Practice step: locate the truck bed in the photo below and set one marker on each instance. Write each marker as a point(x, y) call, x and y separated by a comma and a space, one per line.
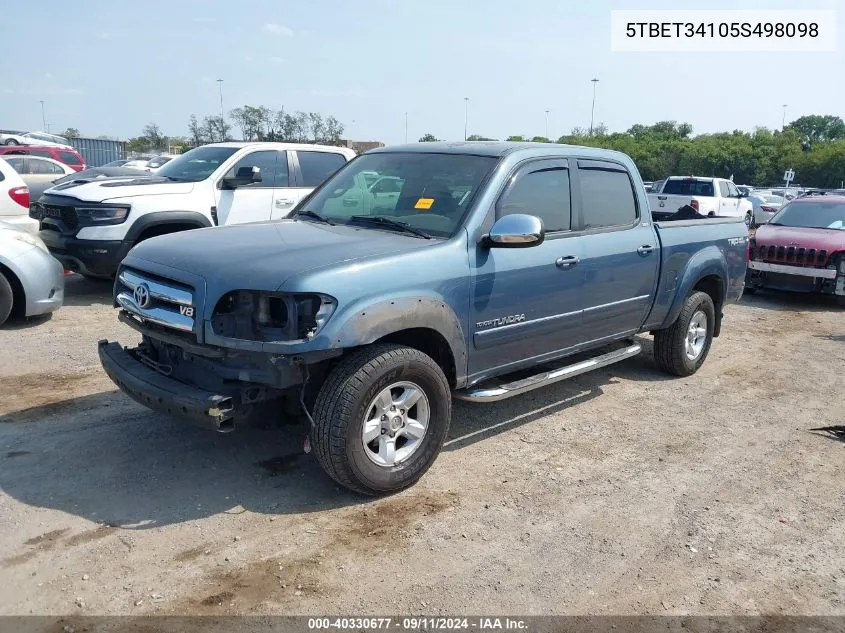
point(685, 245)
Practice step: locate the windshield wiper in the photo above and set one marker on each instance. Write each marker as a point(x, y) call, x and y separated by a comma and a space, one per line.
point(314, 215)
point(394, 224)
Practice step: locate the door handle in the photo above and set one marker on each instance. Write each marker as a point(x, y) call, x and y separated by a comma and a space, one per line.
point(645, 249)
point(283, 202)
point(567, 262)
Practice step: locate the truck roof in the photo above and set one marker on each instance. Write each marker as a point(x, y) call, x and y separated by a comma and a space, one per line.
point(277, 145)
point(491, 148)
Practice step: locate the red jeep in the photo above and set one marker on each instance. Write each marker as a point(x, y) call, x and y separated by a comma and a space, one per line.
point(802, 248)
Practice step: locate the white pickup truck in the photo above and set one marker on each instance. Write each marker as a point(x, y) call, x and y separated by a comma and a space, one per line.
point(90, 225)
point(708, 196)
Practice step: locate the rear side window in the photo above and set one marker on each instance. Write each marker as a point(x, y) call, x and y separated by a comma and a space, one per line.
point(723, 189)
point(39, 152)
point(542, 192)
point(16, 163)
point(69, 158)
point(316, 167)
point(608, 198)
point(689, 187)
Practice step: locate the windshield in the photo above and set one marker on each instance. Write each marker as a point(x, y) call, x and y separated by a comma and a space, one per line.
point(429, 192)
point(689, 187)
point(196, 165)
point(815, 215)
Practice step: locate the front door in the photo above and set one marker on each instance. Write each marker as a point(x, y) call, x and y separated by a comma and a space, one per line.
point(252, 202)
point(621, 254)
point(526, 302)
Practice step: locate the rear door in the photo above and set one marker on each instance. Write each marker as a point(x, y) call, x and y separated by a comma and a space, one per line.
point(621, 254)
point(252, 202)
point(526, 302)
point(311, 169)
point(727, 204)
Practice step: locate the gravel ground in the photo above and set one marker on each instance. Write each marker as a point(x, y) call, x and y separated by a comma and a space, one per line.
point(623, 491)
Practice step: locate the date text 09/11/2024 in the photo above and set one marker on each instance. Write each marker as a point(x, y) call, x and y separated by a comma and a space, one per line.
point(419, 623)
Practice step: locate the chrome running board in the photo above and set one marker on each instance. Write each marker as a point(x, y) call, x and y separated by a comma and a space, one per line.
point(492, 393)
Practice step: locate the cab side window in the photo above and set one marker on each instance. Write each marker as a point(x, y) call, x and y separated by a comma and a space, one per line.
point(542, 191)
point(607, 195)
point(273, 166)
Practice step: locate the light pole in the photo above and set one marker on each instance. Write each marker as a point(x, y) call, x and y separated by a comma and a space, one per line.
point(220, 89)
point(43, 117)
point(593, 110)
point(547, 125)
point(466, 116)
point(406, 127)
point(783, 119)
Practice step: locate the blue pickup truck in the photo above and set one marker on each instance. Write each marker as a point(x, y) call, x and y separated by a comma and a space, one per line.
point(413, 275)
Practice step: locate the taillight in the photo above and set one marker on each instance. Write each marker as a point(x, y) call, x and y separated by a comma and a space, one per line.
point(20, 195)
point(694, 204)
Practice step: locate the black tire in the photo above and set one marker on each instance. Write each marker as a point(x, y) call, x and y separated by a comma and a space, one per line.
point(749, 220)
point(7, 299)
point(11, 141)
point(669, 344)
point(341, 408)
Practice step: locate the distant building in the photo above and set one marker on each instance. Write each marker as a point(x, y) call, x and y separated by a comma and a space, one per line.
point(359, 147)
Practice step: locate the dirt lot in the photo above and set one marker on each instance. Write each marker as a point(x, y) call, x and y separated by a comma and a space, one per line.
point(623, 491)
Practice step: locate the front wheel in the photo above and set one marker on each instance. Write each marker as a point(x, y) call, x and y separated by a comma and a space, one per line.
point(381, 418)
point(681, 348)
point(11, 141)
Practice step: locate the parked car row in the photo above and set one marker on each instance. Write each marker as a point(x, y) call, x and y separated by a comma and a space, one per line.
point(66, 155)
point(33, 138)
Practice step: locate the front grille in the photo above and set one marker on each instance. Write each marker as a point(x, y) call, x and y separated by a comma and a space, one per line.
point(793, 255)
point(155, 299)
point(62, 218)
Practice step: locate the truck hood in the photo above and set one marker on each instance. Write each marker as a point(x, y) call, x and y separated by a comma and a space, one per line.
point(829, 240)
point(263, 255)
point(122, 187)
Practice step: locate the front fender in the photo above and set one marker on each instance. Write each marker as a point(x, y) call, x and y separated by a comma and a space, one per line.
point(363, 323)
point(709, 261)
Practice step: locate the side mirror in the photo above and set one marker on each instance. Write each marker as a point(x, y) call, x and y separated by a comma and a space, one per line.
point(515, 231)
point(244, 176)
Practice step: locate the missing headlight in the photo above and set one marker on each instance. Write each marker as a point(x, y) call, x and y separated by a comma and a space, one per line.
point(260, 316)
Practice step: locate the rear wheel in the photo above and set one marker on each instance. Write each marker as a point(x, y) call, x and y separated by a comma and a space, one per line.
point(6, 299)
point(681, 348)
point(381, 418)
point(11, 141)
point(749, 219)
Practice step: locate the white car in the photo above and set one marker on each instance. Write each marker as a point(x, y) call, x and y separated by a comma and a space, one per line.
point(91, 226)
point(137, 163)
point(34, 138)
point(14, 199)
point(765, 204)
point(713, 197)
point(36, 170)
point(157, 162)
point(31, 280)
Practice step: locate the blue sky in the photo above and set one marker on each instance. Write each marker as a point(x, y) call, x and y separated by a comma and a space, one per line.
point(109, 67)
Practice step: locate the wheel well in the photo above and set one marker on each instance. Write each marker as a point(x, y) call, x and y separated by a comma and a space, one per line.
point(18, 294)
point(713, 286)
point(164, 229)
point(429, 342)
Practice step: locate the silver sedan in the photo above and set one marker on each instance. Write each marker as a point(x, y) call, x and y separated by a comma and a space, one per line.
point(31, 280)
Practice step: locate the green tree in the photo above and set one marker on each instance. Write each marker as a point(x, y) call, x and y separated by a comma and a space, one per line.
point(71, 132)
point(815, 128)
point(428, 138)
point(540, 139)
point(517, 139)
point(478, 137)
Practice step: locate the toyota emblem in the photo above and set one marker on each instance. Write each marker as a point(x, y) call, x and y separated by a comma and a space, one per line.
point(142, 295)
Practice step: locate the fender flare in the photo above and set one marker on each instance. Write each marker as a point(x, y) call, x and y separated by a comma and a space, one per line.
point(163, 218)
point(707, 262)
point(364, 323)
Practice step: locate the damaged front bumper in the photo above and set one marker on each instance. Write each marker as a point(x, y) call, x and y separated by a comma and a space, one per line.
point(163, 393)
